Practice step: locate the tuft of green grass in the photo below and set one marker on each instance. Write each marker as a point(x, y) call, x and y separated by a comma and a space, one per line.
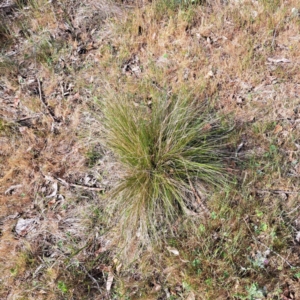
point(7, 66)
point(164, 149)
point(6, 128)
point(165, 8)
point(4, 31)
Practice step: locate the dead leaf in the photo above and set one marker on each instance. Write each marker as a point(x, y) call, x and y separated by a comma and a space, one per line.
point(239, 99)
point(168, 270)
point(100, 250)
point(157, 287)
point(24, 226)
point(104, 268)
point(110, 279)
point(278, 128)
point(210, 74)
point(118, 268)
point(52, 202)
point(42, 292)
point(191, 296)
point(16, 101)
point(11, 189)
point(118, 265)
point(173, 251)
point(90, 46)
point(55, 188)
point(278, 60)
point(206, 127)
point(239, 147)
point(245, 86)
point(23, 129)
point(75, 97)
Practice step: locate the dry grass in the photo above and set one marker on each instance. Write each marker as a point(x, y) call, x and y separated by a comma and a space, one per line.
point(226, 54)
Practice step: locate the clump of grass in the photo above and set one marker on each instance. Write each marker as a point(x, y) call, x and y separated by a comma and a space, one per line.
point(163, 149)
point(3, 29)
point(168, 8)
point(6, 128)
point(7, 66)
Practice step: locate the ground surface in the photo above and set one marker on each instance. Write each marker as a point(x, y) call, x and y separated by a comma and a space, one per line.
point(60, 60)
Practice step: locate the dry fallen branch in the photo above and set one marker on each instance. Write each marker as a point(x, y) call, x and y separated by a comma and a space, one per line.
point(84, 187)
point(277, 192)
point(68, 184)
point(27, 118)
point(44, 102)
point(293, 210)
point(278, 60)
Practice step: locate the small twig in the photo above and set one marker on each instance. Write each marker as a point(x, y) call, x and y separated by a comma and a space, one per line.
point(259, 242)
point(42, 100)
point(67, 184)
point(293, 210)
point(286, 261)
point(84, 187)
point(238, 149)
point(92, 278)
point(274, 36)
point(277, 191)
point(62, 90)
point(27, 118)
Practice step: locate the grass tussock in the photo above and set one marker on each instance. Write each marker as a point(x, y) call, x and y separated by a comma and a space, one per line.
point(163, 149)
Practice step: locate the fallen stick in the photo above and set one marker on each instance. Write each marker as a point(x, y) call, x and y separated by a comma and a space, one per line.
point(27, 118)
point(278, 191)
point(84, 187)
point(43, 102)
